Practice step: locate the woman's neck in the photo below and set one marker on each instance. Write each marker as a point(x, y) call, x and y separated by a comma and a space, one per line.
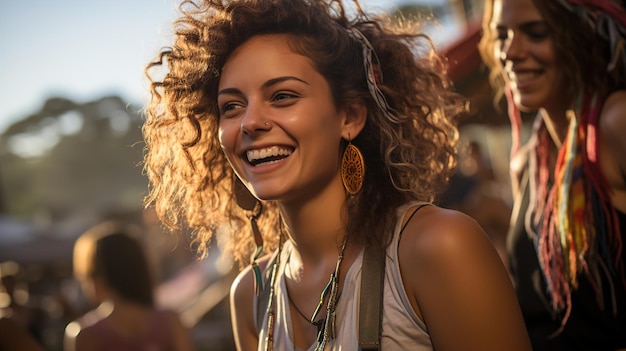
point(315, 230)
point(316, 226)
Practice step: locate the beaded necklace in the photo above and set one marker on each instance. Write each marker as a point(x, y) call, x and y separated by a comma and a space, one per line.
point(326, 331)
point(316, 323)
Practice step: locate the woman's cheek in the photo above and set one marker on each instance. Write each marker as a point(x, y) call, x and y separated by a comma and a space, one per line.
point(228, 137)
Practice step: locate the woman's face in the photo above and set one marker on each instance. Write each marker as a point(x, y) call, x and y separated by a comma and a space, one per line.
point(279, 127)
point(525, 46)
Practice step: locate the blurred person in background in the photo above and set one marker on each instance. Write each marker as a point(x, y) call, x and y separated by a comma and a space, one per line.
point(16, 326)
point(111, 265)
point(566, 61)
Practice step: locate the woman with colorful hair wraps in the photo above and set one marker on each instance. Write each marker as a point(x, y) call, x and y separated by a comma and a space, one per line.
point(566, 60)
point(314, 137)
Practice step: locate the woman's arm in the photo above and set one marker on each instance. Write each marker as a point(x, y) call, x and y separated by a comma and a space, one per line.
point(458, 285)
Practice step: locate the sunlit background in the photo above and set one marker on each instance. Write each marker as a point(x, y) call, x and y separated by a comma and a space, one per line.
point(82, 50)
point(72, 86)
point(76, 49)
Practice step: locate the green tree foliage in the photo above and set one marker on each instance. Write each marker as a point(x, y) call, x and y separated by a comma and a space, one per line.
point(70, 159)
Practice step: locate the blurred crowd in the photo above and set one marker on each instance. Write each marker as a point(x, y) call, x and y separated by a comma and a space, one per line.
point(40, 299)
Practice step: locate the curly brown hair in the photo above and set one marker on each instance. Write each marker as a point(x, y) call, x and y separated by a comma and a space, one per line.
point(411, 158)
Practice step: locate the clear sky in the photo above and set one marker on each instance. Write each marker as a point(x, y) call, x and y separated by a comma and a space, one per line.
point(84, 49)
point(77, 49)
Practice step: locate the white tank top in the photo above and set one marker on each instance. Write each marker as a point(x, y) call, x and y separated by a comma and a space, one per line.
point(402, 329)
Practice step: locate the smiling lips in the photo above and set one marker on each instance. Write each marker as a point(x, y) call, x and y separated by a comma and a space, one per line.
point(523, 77)
point(267, 155)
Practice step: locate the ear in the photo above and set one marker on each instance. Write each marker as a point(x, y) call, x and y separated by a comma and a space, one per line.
point(355, 116)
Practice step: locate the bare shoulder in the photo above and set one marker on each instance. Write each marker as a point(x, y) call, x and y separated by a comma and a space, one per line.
point(612, 145)
point(243, 284)
point(242, 291)
point(83, 325)
point(438, 234)
point(613, 118)
point(458, 285)
point(616, 102)
point(242, 307)
point(241, 298)
point(80, 335)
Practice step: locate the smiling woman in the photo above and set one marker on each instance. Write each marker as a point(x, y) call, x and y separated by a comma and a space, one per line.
point(287, 103)
point(326, 136)
point(566, 61)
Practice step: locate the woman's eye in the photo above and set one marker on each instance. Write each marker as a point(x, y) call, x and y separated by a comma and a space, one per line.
point(537, 31)
point(228, 107)
point(282, 96)
point(538, 35)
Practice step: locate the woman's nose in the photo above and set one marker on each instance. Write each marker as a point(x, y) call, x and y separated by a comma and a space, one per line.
point(513, 49)
point(254, 120)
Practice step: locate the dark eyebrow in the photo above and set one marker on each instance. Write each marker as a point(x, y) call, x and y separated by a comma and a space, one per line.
point(229, 91)
point(532, 25)
point(267, 84)
point(271, 82)
point(526, 26)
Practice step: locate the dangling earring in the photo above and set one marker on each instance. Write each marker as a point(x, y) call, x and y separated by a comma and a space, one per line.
point(352, 169)
point(248, 202)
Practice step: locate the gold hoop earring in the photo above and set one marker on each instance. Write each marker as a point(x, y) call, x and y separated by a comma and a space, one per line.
point(352, 169)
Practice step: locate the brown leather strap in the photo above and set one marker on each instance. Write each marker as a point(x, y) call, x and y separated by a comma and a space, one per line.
point(370, 310)
point(371, 304)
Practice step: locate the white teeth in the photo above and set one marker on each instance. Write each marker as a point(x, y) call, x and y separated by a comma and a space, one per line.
point(258, 154)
